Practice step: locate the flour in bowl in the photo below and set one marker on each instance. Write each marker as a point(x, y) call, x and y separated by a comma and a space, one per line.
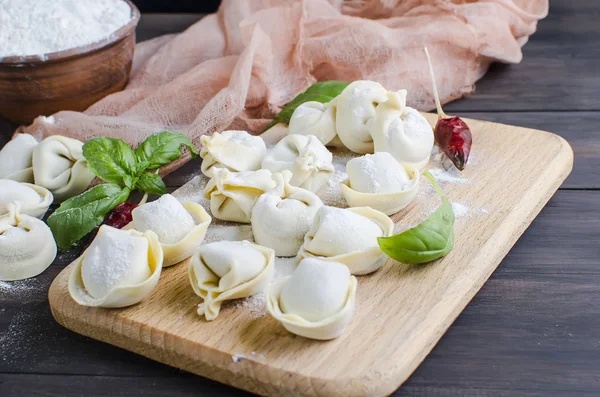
point(34, 27)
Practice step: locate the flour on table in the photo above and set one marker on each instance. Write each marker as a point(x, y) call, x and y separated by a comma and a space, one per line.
point(255, 304)
point(34, 27)
point(331, 194)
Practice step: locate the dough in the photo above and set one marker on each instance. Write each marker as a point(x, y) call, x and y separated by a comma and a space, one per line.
point(180, 227)
point(27, 246)
point(402, 131)
point(32, 199)
point(305, 157)
point(227, 270)
point(283, 215)
point(59, 166)
point(314, 118)
point(15, 158)
point(119, 268)
point(380, 182)
point(355, 108)
point(233, 194)
point(316, 301)
point(234, 150)
point(348, 236)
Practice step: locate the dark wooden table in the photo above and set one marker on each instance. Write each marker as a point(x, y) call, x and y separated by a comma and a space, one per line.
point(533, 329)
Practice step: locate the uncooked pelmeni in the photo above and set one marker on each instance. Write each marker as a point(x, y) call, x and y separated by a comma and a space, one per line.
point(233, 194)
point(348, 236)
point(355, 108)
point(402, 131)
point(283, 215)
point(314, 118)
point(380, 182)
point(15, 158)
point(316, 301)
point(305, 157)
point(27, 246)
point(180, 227)
point(227, 270)
point(59, 166)
point(32, 199)
point(234, 150)
point(119, 268)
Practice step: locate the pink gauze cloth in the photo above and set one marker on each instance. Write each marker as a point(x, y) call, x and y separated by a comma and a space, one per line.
point(237, 68)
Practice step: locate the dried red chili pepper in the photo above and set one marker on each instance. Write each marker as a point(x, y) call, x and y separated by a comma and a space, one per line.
point(121, 215)
point(451, 133)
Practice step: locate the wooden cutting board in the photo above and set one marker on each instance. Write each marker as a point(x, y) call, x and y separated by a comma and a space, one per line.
point(402, 310)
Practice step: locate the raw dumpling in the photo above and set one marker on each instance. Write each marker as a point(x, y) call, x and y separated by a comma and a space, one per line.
point(314, 118)
point(234, 150)
point(402, 131)
point(180, 227)
point(27, 246)
point(233, 194)
point(355, 108)
point(119, 268)
point(15, 158)
point(316, 301)
point(380, 182)
point(348, 236)
point(283, 215)
point(59, 166)
point(305, 156)
point(229, 270)
point(32, 199)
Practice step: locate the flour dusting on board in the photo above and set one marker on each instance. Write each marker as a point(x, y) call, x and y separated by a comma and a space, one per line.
point(34, 27)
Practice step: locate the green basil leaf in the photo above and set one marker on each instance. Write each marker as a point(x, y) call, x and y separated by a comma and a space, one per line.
point(431, 239)
point(79, 215)
point(322, 92)
point(151, 183)
point(162, 148)
point(110, 159)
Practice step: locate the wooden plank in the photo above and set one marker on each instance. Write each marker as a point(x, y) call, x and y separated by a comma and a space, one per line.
point(502, 311)
point(514, 183)
point(152, 25)
point(536, 333)
point(189, 386)
point(580, 129)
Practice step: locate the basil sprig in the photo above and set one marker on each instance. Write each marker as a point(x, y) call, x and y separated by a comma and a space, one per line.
point(430, 240)
point(113, 161)
point(322, 92)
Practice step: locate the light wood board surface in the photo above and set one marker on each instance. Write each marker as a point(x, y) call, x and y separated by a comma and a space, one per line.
point(402, 310)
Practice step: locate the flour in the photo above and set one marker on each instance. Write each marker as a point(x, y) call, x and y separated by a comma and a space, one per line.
point(460, 210)
point(38, 27)
point(166, 217)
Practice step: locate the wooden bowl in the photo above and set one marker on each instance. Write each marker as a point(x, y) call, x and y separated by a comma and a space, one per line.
point(73, 79)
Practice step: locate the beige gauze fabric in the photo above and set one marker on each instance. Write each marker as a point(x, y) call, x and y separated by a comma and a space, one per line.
point(236, 69)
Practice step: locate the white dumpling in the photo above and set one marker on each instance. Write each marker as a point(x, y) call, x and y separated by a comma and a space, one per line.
point(380, 182)
point(348, 236)
point(59, 166)
point(180, 227)
point(234, 150)
point(402, 131)
point(32, 199)
point(227, 270)
point(314, 118)
point(118, 269)
point(15, 158)
point(283, 215)
point(355, 108)
point(233, 194)
point(27, 246)
point(305, 157)
point(317, 301)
